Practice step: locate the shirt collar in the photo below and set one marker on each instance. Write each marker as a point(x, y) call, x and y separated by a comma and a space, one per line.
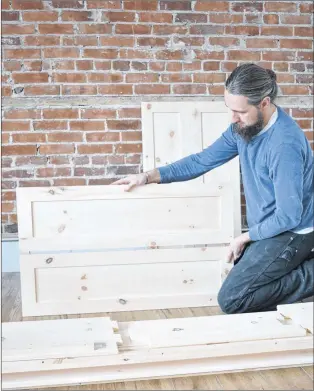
point(270, 123)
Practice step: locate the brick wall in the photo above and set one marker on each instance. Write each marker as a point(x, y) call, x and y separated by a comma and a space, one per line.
point(74, 73)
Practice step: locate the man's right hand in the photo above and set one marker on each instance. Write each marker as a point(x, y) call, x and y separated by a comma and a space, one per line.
point(132, 181)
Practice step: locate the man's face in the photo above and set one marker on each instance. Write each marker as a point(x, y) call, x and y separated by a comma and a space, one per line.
point(247, 119)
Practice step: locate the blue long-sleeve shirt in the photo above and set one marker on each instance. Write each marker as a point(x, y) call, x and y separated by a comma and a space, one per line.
point(277, 175)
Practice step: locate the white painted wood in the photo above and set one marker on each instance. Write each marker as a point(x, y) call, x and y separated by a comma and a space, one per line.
point(299, 313)
point(120, 280)
point(52, 339)
point(212, 329)
point(173, 130)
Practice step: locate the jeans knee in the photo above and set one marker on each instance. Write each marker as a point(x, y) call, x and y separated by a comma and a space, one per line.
point(224, 302)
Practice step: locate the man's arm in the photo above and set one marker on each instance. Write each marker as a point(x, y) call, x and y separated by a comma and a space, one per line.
point(190, 167)
point(286, 171)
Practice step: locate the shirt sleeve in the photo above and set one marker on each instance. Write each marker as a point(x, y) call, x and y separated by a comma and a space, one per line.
point(190, 167)
point(286, 171)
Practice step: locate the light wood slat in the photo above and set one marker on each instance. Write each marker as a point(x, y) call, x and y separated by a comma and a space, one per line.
point(213, 329)
point(69, 219)
point(173, 130)
point(58, 339)
point(299, 313)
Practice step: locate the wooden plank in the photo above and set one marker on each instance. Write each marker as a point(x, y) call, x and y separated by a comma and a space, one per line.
point(213, 329)
point(173, 130)
point(58, 339)
point(72, 218)
point(120, 280)
point(299, 313)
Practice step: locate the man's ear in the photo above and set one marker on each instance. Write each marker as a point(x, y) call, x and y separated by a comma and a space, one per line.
point(265, 102)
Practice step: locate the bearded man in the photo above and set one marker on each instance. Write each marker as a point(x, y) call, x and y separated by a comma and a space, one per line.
point(274, 259)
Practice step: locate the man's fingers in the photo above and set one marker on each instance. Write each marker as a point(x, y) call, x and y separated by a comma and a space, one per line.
point(130, 186)
point(230, 256)
point(122, 181)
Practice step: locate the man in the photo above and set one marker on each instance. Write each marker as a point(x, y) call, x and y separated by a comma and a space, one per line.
point(274, 260)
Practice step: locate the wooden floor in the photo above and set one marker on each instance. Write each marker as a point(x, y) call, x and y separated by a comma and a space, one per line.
point(281, 379)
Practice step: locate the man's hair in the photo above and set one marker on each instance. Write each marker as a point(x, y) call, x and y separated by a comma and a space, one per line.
point(254, 82)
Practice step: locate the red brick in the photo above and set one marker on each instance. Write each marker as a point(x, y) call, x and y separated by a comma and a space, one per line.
point(152, 41)
point(129, 113)
point(84, 65)
point(303, 31)
point(117, 65)
point(296, 43)
point(295, 19)
point(141, 5)
point(105, 78)
point(28, 4)
point(189, 89)
point(29, 138)
point(21, 53)
point(171, 5)
point(87, 125)
point(304, 56)
point(131, 136)
point(225, 18)
point(55, 28)
point(306, 7)
point(209, 77)
point(98, 114)
point(69, 77)
point(241, 55)
point(174, 66)
point(308, 79)
point(279, 56)
point(295, 90)
point(152, 89)
point(149, 17)
point(40, 16)
point(191, 18)
point(6, 91)
point(36, 65)
point(224, 41)
point(60, 113)
point(33, 160)
point(53, 172)
point(214, 6)
point(79, 90)
point(246, 6)
point(52, 149)
point(261, 43)
point(206, 29)
point(117, 41)
point(64, 65)
point(278, 6)
point(21, 114)
point(277, 30)
point(95, 28)
point(281, 66)
point(117, 16)
point(271, 19)
point(6, 162)
point(139, 66)
point(285, 78)
point(302, 113)
point(81, 160)
point(216, 90)
point(242, 30)
point(176, 78)
point(9, 196)
point(69, 182)
point(8, 185)
point(135, 54)
point(50, 125)
point(309, 136)
point(34, 183)
point(253, 18)
point(135, 159)
point(8, 150)
point(305, 124)
point(102, 137)
point(111, 4)
point(5, 138)
point(61, 52)
point(157, 66)
point(22, 78)
point(86, 171)
point(120, 89)
point(80, 16)
point(142, 78)
point(129, 148)
point(12, 65)
point(194, 66)
point(102, 53)
point(5, 4)
point(123, 124)
point(42, 41)
point(168, 29)
point(8, 126)
point(209, 55)
point(7, 207)
point(9, 16)
point(93, 149)
point(17, 174)
point(133, 29)
point(67, 4)
point(65, 137)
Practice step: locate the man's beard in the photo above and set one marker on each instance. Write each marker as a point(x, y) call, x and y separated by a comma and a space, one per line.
point(249, 131)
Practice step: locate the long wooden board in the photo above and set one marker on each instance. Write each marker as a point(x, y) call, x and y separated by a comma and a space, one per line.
point(301, 313)
point(173, 130)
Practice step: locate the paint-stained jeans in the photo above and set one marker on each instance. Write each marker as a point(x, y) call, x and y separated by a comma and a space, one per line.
point(279, 270)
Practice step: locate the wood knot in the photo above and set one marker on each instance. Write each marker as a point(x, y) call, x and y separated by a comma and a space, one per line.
point(153, 245)
point(84, 288)
point(51, 192)
point(49, 260)
point(122, 301)
point(171, 134)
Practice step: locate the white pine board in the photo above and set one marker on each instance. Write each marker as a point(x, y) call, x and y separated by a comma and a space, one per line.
point(58, 339)
point(299, 313)
point(212, 329)
point(173, 130)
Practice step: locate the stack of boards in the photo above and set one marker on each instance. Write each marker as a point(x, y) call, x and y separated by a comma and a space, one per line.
point(95, 350)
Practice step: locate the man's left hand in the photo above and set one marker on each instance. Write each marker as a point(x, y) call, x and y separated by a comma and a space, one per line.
point(237, 247)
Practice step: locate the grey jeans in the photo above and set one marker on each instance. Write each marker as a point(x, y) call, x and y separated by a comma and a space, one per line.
point(279, 270)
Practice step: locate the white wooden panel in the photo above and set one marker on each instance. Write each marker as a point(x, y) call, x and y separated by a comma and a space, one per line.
point(299, 313)
point(173, 130)
point(120, 280)
point(57, 339)
point(99, 217)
